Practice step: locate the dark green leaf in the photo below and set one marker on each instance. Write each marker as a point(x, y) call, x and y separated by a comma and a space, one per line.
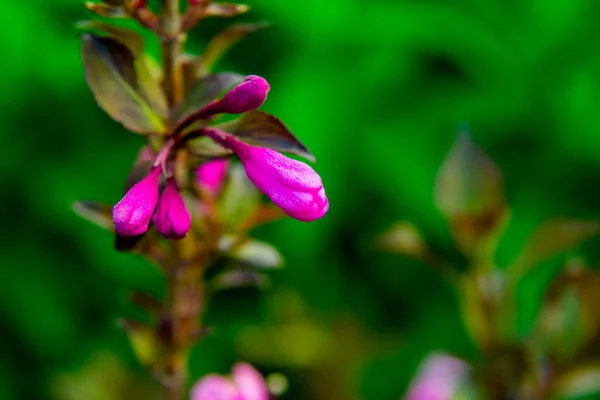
point(240, 198)
point(261, 129)
point(98, 213)
point(206, 147)
point(137, 173)
point(112, 77)
point(106, 10)
point(205, 91)
point(128, 37)
point(552, 238)
point(223, 42)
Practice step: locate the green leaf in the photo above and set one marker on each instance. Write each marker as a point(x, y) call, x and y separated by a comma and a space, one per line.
point(240, 198)
point(106, 10)
point(236, 278)
point(222, 42)
point(225, 9)
point(148, 82)
point(469, 192)
point(582, 380)
point(112, 77)
point(251, 252)
point(552, 238)
point(206, 90)
point(469, 182)
point(264, 130)
point(97, 213)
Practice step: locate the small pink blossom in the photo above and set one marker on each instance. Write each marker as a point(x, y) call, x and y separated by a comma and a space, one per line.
point(211, 175)
point(246, 383)
point(438, 378)
point(172, 219)
point(132, 214)
point(292, 185)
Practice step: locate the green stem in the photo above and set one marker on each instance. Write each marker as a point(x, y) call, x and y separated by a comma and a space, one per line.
point(171, 43)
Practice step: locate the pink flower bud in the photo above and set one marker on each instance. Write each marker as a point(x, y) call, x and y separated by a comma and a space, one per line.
point(247, 96)
point(292, 185)
point(172, 219)
point(132, 214)
point(211, 175)
point(246, 383)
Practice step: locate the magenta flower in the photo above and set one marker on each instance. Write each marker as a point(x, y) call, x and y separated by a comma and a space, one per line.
point(172, 219)
point(438, 378)
point(211, 175)
point(246, 383)
point(247, 96)
point(292, 185)
point(132, 214)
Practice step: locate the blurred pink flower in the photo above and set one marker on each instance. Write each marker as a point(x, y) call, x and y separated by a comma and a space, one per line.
point(211, 175)
point(246, 383)
point(438, 378)
point(292, 185)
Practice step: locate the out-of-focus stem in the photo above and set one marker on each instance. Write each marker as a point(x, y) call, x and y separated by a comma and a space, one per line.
point(171, 42)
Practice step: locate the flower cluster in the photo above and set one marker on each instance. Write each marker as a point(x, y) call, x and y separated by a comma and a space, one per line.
point(292, 185)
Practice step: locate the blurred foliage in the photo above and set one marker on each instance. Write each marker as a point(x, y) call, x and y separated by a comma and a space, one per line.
point(376, 90)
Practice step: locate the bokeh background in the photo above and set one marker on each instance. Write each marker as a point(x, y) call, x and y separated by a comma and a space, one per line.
point(376, 89)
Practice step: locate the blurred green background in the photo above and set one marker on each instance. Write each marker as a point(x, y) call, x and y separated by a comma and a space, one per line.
point(376, 89)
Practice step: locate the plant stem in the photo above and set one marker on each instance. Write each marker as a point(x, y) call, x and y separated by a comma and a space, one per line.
point(181, 313)
point(171, 42)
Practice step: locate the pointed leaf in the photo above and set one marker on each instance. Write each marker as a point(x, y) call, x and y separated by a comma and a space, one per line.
point(98, 213)
point(205, 91)
point(111, 75)
point(469, 182)
point(240, 198)
point(552, 238)
point(147, 82)
point(106, 10)
point(469, 193)
point(264, 130)
point(223, 42)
